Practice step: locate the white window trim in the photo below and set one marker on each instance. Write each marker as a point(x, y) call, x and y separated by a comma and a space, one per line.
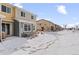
point(6, 9)
point(27, 30)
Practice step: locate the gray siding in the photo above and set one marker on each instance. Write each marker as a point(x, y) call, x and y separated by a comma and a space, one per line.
point(16, 28)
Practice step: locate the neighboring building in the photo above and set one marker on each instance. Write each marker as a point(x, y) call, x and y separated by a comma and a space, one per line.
point(17, 21)
point(7, 22)
point(45, 25)
point(58, 28)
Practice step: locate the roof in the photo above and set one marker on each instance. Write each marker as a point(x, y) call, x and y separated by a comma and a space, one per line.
point(45, 20)
point(24, 10)
point(49, 22)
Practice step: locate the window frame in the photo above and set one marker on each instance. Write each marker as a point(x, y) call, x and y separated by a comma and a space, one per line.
point(22, 14)
point(6, 9)
point(3, 8)
point(25, 27)
point(28, 27)
point(32, 17)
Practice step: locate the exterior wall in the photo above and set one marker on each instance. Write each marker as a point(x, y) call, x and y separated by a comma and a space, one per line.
point(10, 29)
point(58, 28)
point(46, 24)
point(27, 15)
point(0, 25)
point(0, 30)
point(27, 20)
point(16, 28)
point(9, 16)
point(21, 29)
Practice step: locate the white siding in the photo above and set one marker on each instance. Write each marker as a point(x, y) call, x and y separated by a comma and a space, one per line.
point(27, 15)
point(20, 30)
point(27, 18)
point(11, 28)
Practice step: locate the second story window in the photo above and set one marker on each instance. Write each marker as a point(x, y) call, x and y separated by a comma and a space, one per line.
point(32, 17)
point(22, 14)
point(8, 10)
point(5, 9)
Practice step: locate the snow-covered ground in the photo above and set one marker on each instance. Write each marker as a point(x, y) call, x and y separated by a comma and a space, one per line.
point(62, 42)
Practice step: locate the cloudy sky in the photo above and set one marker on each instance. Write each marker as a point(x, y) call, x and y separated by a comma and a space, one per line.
point(59, 13)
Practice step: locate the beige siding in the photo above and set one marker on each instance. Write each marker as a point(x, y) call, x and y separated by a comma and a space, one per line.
point(47, 25)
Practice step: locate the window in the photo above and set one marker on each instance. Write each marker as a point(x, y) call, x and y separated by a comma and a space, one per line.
point(27, 27)
point(5, 9)
point(22, 14)
point(8, 10)
point(33, 27)
point(32, 17)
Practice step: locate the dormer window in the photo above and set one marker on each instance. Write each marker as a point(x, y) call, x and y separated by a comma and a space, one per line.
point(22, 14)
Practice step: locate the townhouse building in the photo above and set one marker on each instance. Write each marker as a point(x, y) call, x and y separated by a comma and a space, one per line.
point(24, 22)
point(7, 22)
point(17, 21)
